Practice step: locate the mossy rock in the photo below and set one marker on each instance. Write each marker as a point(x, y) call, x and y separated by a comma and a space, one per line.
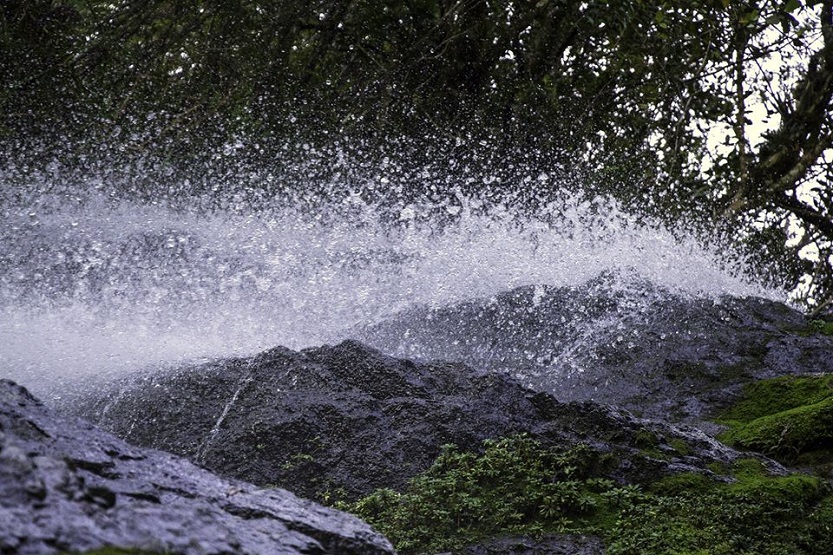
point(788, 435)
point(767, 397)
point(789, 418)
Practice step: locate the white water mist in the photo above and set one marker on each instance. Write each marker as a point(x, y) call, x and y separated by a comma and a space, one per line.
point(100, 286)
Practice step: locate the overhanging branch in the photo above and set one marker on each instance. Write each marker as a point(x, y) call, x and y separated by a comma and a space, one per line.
point(787, 154)
point(806, 214)
point(788, 181)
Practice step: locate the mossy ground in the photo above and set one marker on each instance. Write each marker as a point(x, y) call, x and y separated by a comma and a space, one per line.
point(519, 486)
point(789, 418)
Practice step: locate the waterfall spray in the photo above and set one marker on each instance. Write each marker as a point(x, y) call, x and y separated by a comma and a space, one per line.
point(97, 284)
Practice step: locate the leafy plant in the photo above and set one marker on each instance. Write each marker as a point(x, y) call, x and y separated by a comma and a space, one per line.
point(515, 486)
point(757, 514)
point(519, 486)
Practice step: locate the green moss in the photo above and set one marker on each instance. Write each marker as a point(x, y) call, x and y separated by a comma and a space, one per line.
point(718, 468)
point(649, 445)
point(821, 326)
point(772, 396)
point(680, 446)
point(789, 418)
point(753, 479)
point(789, 434)
point(748, 468)
point(518, 486)
point(685, 482)
point(646, 439)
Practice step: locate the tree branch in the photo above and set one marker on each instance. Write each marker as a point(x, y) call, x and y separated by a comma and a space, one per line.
point(788, 153)
point(789, 179)
point(741, 43)
point(806, 214)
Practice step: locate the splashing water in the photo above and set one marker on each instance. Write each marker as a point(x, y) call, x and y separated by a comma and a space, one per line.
point(101, 286)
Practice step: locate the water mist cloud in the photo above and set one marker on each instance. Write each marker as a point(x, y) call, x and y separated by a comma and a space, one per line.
point(98, 286)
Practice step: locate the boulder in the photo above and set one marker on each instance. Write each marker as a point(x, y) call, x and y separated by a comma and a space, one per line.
point(545, 544)
point(659, 354)
point(338, 422)
point(67, 486)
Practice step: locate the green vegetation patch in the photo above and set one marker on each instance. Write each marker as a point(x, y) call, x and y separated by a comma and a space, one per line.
point(821, 326)
point(765, 516)
point(519, 486)
point(767, 397)
point(516, 486)
point(789, 418)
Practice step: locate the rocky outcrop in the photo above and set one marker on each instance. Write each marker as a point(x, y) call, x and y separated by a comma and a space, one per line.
point(638, 375)
point(554, 544)
point(637, 346)
point(66, 486)
point(338, 422)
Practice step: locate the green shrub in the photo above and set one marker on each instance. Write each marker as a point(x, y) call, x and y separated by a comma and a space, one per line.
point(515, 486)
point(757, 515)
point(519, 486)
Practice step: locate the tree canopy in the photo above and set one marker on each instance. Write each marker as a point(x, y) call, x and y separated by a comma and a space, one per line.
point(717, 111)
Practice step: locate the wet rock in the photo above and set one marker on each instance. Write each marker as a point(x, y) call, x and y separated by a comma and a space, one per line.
point(338, 422)
point(560, 544)
point(659, 354)
point(637, 374)
point(66, 486)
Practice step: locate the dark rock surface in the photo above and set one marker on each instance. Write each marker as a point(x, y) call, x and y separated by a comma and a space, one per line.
point(659, 354)
point(67, 486)
point(337, 422)
point(561, 544)
point(341, 421)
